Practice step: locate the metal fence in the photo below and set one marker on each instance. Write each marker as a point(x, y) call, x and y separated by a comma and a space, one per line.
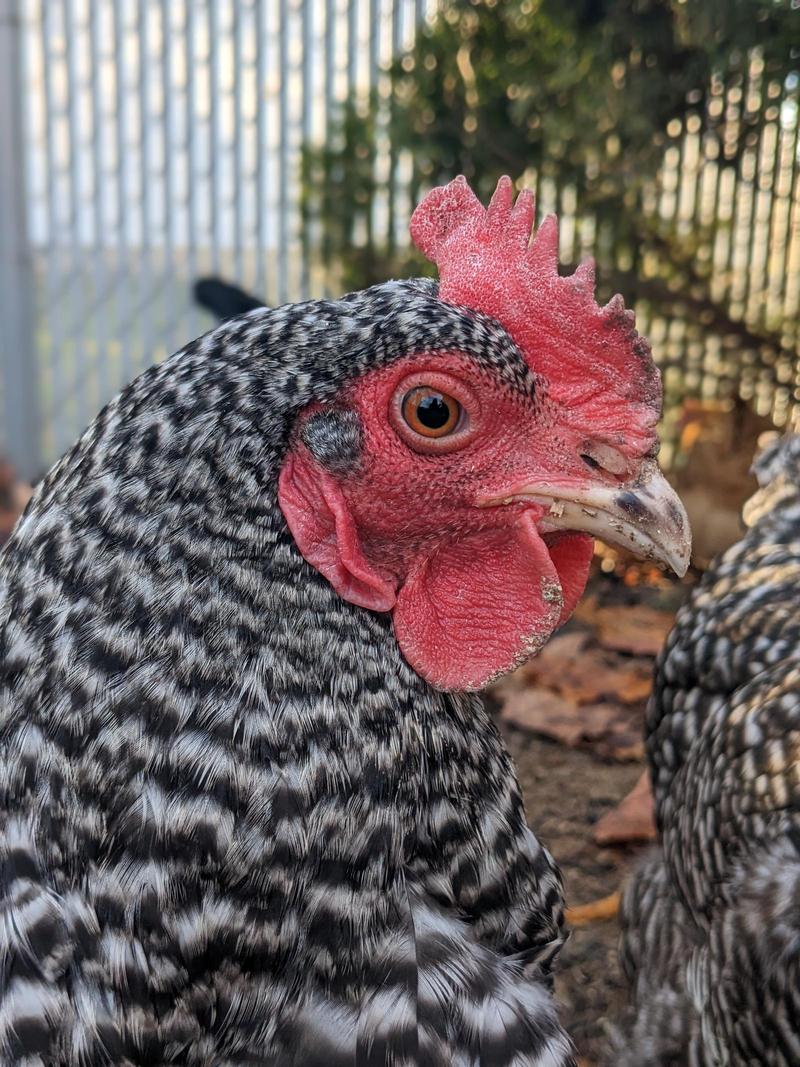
point(727, 201)
point(146, 142)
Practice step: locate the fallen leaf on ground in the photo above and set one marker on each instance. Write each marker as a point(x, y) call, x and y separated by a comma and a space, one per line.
point(611, 730)
point(544, 712)
point(554, 658)
point(616, 732)
point(631, 820)
point(598, 719)
point(590, 676)
point(622, 747)
point(634, 628)
point(598, 911)
point(578, 693)
point(562, 651)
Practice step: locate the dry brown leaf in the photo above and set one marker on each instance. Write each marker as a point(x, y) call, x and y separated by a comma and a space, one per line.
point(507, 686)
point(599, 720)
point(615, 732)
point(634, 628)
point(563, 650)
point(577, 693)
point(631, 820)
point(621, 747)
point(591, 676)
point(598, 911)
point(630, 683)
point(544, 712)
point(609, 730)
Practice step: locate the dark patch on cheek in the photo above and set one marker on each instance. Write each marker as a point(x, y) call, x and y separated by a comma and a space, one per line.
point(334, 439)
point(632, 505)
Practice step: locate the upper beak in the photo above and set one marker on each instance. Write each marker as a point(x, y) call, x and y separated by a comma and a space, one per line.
point(643, 515)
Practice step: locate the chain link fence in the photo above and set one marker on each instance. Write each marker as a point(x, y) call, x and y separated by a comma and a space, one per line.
point(146, 142)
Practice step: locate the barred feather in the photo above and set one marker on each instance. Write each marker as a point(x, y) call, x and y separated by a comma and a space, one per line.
point(711, 927)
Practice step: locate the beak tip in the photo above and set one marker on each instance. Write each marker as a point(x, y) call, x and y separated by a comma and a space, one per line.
point(659, 519)
point(676, 545)
point(672, 557)
point(680, 564)
point(682, 555)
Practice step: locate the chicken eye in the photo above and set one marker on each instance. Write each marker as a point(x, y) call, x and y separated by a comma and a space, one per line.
point(431, 413)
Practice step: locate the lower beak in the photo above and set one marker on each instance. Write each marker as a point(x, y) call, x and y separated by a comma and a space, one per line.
point(643, 515)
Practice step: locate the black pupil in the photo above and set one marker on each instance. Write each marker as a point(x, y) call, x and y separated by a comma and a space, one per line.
point(433, 411)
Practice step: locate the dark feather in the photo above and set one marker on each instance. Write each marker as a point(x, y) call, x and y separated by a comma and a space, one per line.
point(222, 299)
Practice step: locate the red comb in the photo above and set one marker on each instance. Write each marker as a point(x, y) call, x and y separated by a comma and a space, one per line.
point(488, 262)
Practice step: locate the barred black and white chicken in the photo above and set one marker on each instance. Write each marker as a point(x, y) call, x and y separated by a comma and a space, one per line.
point(249, 813)
point(711, 922)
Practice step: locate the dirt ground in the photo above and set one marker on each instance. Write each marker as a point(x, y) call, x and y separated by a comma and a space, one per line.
point(566, 791)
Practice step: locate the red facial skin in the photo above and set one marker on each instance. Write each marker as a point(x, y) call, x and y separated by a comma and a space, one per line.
point(474, 590)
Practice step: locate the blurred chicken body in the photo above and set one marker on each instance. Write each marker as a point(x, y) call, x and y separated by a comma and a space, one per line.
point(250, 812)
point(711, 923)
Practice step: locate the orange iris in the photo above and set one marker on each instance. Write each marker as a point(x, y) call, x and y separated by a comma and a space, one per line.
point(431, 413)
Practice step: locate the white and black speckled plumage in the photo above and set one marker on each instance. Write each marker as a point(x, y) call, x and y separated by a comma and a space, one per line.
point(236, 828)
point(711, 923)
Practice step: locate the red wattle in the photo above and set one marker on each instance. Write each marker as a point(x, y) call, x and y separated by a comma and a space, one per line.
point(479, 606)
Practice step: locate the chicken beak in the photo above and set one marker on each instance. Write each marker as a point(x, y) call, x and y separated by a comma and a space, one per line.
point(644, 515)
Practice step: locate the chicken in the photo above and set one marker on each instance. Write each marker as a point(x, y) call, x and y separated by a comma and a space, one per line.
point(711, 927)
point(252, 811)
